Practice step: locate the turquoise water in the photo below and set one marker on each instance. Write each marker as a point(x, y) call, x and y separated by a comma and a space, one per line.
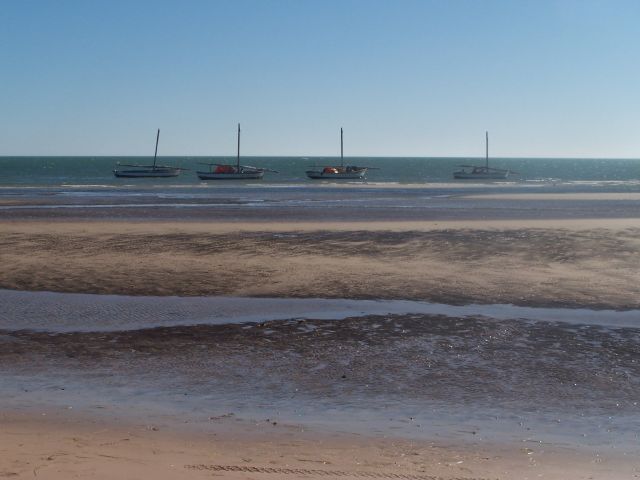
point(41, 171)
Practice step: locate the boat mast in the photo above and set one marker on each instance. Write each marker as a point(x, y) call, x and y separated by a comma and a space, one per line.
point(486, 154)
point(155, 155)
point(238, 156)
point(341, 150)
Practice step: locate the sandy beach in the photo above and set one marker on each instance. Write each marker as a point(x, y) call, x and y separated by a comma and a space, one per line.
point(379, 396)
point(585, 263)
point(62, 445)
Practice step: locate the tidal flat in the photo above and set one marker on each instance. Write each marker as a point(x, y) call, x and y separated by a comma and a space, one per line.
point(420, 394)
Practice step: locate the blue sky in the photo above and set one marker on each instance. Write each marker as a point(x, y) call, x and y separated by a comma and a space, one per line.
point(410, 78)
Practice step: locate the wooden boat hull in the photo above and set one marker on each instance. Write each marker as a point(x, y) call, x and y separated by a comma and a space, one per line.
point(148, 173)
point(230, 176)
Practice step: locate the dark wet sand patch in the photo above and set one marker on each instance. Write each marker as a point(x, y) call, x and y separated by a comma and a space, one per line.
point(411, 358)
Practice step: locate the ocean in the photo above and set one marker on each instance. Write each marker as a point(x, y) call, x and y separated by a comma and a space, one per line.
point(395, 189)
point(614, 174)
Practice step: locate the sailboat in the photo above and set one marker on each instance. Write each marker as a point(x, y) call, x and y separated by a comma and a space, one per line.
point(478, 172)
point(335, 172)
point(221, 171)
point(155, 170)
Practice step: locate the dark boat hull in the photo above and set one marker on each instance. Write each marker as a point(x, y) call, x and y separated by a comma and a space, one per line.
point(348, 174)
point(148, 173)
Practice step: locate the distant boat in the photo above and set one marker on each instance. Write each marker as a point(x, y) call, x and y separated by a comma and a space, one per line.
point(478, 172)
point(141, 171)
point(339, 172)
point(221, 171)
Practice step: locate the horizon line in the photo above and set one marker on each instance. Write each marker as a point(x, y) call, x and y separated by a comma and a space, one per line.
point(326, 156)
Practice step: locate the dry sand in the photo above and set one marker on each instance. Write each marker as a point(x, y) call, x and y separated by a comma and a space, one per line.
point(64, 445)
point(584, 263)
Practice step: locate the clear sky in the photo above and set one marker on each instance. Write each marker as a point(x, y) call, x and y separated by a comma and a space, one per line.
point(410, 78)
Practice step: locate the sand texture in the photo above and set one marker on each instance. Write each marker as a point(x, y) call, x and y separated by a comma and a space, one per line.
point(591, 266)
point(60, 446)
point(418, 397)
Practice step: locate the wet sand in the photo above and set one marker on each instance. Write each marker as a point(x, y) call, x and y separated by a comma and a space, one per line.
point(422, 395)
point(399, 363)
point(395, 395)
point(593, 264)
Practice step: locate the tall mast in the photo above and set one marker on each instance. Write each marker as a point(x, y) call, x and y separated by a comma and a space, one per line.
point(341, 150)
point(238, 156)
point(155, 155)
point(486, 154)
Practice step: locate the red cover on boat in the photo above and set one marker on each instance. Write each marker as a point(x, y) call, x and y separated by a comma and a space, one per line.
point(330, 170)
point(225, 169)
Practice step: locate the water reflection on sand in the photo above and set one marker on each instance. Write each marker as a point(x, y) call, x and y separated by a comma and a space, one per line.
point(415, 375)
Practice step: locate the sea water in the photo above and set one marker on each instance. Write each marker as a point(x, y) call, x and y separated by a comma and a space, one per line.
point(38, 171)
point(395, 188)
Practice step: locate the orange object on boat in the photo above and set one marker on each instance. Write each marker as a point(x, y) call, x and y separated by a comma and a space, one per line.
point(225, 169)
point(330, 170)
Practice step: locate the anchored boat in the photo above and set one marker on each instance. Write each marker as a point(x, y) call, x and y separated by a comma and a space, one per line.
point(141, 171)
point(335, 172)
point(221, 171)
point(479, 172)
